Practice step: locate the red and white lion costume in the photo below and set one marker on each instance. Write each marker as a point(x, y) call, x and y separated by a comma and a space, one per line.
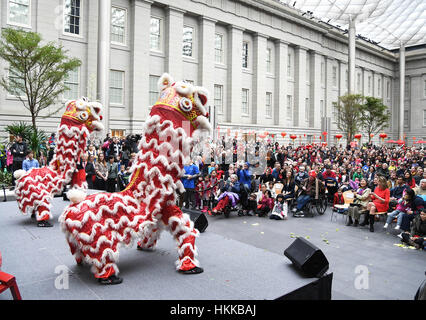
point(96, 227)
point(36, 188)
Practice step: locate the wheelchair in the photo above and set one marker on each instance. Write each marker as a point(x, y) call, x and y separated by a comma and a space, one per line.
point(316, 205)
point(332, 187)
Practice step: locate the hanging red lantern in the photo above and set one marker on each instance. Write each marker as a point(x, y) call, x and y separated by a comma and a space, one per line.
point(320, 137)
point(338, 136)
point(414, 138)
point(293, 136)
point(324, 133)
point(358, 136)
point(371, 135)
point(272, 135)
point(383, 136)
point(283, 134)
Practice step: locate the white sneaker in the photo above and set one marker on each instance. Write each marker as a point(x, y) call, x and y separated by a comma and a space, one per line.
point(386, 226)
point(397, 227)
point(400, 235)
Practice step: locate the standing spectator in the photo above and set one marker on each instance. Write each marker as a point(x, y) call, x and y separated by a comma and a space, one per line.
point(191, 173)
point(43, 160)
point(244, 176)
point(112, 174)
point(89, 167)
point(123, 178)
point(101, 173)
point(114, 148)
point(52, 140)
point(19, 151)
point(30, 163)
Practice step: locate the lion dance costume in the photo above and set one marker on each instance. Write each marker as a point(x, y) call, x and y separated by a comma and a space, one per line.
point(99, 224)
point(36, 188)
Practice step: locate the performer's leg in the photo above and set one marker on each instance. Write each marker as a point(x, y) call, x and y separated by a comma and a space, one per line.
point(182, 229)
point(149, 240)
point(107, 274)
point(43, 215)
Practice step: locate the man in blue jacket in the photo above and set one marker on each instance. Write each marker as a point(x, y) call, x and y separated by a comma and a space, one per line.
point(244, 175)
point(191, 173)
point(30, 163)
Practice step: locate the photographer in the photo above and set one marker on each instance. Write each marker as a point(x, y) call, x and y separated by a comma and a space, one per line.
point(191, 172)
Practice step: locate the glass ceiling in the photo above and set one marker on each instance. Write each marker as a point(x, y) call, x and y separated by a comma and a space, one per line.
point(388, 23)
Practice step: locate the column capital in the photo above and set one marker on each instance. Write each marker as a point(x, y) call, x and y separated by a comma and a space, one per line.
point(261, 35)
point(281, 41)
point(299, 47)
point(144, 2)
point(234, 27)
point(208, 19)
point(175, 10)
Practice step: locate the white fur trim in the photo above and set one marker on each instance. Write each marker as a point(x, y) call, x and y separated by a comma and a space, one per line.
point(18, 174)
point(76, 195)
point(165, 81)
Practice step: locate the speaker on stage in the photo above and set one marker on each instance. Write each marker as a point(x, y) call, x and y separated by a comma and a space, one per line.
point(199, 219)
point(307, 258)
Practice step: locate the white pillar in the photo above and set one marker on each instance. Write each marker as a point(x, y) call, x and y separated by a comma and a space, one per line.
point(351, 57)
point(300, 87)
point(104, 58)
point(140, 55)
point(234, 60)
point(259, 78)
point(401, 90)
point(174, 38)
point(280, 105)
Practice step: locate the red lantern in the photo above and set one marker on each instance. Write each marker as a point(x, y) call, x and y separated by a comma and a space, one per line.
point(357, 136)
point(272, 135)
point(414, 138)
point(324, 133)
point(338, 136)
point(283, 134)
point(383, 135)
point(293, 136)
point(371, 135)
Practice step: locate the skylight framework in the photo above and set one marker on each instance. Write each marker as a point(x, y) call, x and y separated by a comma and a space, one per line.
point(389, 23)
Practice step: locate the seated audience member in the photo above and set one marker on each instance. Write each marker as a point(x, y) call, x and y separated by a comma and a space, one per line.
point(392, 180)
point(340, 200)
point(418, 176)
point(230, 194)
point(309, 188)
point(416, 205)
point(402, 206)
point(289, 186)
point(30, 162)
point(266, 204)
point(344, 180)
point(361, 199)
point(280, 210)
point(379, 201)
point(267, 176)
point(397, 191)
point(420, 190)
point(417, 236)
point(409, 180)
point(301, 175)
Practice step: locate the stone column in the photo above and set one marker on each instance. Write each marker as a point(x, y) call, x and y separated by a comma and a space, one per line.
point(401, 91)
point(174, 39)
point(300, 87)
point(234, 61)
point(316, 90)
point(351, 57)
point(139, 73)
point(259, 77)
point(280, 94)
point(104, 22)
point(92, 45)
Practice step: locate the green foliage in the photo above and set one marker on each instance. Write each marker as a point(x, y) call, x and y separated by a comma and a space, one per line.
point(348, 114)
point(20, 128)
point(36, 71)
point(37, 142)
point(5, 178)
point(374, 116)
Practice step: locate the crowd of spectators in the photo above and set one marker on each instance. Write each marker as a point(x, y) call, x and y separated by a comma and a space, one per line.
point(383, 179)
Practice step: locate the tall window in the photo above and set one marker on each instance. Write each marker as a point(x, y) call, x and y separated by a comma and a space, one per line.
point(72, 82)
point(245, 54)
point(117, 133)
point(218, 48)
point(268, 110)
point(369, 84)
point(406, 119)
point(321, 108)
point(346, 80)
point(19, 12)
point(268, 60)
point(245, 102)
point(407, 88)
point(289, 65)
point(188, 39)
point(116, 87)
point(334, 76)
point(388, 89)
point(379, 87)
point(308, 69)
point(16, 79)
point(72, 16)
point(289, 107)
point(358, 82)
point(155, 34)
point(307, 109)
point(118, 25)
point(153, 89)
point(218, 98)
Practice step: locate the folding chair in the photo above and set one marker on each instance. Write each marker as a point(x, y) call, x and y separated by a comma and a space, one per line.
point(7, 281)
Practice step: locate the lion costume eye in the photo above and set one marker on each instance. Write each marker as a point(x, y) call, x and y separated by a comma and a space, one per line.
point(185, 104)
point(83, 116)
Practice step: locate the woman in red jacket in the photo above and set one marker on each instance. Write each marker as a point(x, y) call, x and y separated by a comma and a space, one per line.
point(379, 201)
point(409, 180)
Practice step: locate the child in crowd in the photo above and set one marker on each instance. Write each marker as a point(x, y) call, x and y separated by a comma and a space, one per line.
point(402, 207)
point(266, 204)
point(199, 193)
point(123, 177)
point(280, 210)
point(338, 199)
point(205, 193)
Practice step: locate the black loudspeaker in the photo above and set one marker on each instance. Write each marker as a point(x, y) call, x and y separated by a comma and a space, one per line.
point(307, 258)
point(199, 219)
